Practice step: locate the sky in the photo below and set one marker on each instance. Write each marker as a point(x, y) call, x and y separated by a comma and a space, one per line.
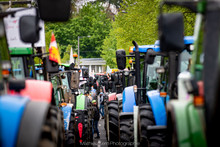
point(82, 2)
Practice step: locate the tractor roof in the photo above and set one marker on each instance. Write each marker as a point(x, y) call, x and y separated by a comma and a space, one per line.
point(20, 51)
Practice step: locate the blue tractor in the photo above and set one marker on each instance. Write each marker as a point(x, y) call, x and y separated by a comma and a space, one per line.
point(132, 94)
point(148, 95)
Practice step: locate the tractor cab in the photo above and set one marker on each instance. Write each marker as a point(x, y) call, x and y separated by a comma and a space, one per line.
point(21, 59)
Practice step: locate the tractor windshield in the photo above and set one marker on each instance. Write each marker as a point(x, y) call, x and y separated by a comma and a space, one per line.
point(152, 76)
point(58, 92)
point(40, 76)
point(185, 57)
point(18, 67)
point(66, 82)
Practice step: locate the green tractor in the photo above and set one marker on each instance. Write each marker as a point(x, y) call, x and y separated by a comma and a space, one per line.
point(27, 116)
point(193, 121)
point(77, 109)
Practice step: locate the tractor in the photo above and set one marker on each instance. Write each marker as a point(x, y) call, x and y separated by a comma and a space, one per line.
point(132, 94)
point(113, 102)
point(75, 105)
point(152, 112)
point(27, 111)
point(193, 118)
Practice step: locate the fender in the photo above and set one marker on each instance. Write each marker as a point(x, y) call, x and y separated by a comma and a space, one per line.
point(158, 107)
point(128, 100)
point(187, 121)
point(11, 112)
point(38, 90)
point(119, 96)
point(112, 97)
point(33, 119)
point(67, 115)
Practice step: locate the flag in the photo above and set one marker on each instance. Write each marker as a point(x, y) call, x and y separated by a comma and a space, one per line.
point(71, 56)
point(53, 50)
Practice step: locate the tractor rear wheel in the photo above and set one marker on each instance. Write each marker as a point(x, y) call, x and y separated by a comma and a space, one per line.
point(61, 141)
point(146, 118)
point(52, 131)
point(113, 121)
point(126, 129)
point(90, 124)
point(81, 127)
point(70, 137)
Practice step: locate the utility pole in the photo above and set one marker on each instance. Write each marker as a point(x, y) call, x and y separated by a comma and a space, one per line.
point(78, 53)
point(79, 50)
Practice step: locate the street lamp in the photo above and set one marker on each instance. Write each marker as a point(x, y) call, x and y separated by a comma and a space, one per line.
point(78, 49)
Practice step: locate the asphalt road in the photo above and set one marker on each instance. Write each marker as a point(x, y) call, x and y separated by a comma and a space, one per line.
point(102, 142)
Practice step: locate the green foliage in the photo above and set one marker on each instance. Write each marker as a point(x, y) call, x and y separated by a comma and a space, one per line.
point(109, 49)
point(91, 21)
point(138, 21)
point(66, 56)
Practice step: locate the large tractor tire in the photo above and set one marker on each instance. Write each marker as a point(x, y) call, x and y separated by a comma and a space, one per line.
point(157, 139)
point(70, 134)
point(126, 129)
point(105, 114)
point(81, 127)
point(61, 131)
point(146, 118)
point(53, 129)
point(119, 98)
point(90, 124)
point(171, 140)
point(113, 121)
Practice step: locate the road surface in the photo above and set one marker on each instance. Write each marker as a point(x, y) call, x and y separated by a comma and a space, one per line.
point(102, 142)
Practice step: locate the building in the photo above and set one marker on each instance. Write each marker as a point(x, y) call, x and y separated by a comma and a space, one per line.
point(95, 65)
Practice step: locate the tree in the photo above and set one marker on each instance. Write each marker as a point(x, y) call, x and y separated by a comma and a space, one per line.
point(139, 22)
point(109, 49)
point(91, 21)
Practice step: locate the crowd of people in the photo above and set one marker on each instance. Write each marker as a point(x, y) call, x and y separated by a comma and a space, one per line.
point(96, 98)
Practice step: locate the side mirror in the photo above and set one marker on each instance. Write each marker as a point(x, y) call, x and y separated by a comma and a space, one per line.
point(121, 59)
point(72, 66)
point(150, 56)
point(29, 29)
point(85, 73)
point(171, 33)
point(1, 86)
point(50, 66)
point(54, 10)
point(74, 84)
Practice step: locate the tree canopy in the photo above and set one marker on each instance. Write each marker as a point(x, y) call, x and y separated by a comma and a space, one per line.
point(137, 21)
point(91, 21)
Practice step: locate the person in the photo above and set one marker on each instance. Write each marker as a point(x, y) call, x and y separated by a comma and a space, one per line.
point(96, 118)
point(101, 103)
point(93, 93)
